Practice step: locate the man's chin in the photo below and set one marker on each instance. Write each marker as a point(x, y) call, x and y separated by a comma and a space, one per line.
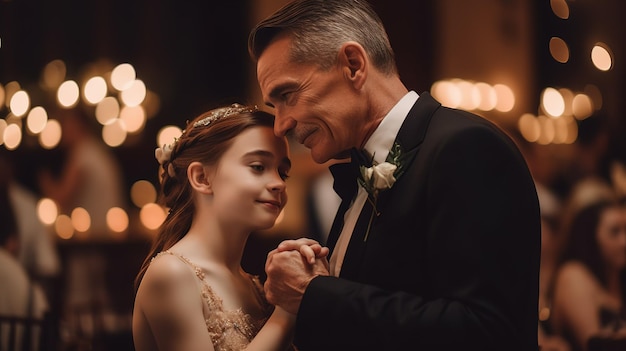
point(319, 157)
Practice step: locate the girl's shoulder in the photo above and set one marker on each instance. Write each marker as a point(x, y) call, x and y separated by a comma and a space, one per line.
point(167, 268)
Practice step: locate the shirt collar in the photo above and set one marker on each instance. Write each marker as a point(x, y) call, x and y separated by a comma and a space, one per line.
point(381, 141)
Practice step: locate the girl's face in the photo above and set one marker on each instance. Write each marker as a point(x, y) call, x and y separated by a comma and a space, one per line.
point(249, 181)
point(611, 237)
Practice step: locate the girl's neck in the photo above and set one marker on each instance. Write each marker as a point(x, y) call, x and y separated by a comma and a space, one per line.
point(212, 244)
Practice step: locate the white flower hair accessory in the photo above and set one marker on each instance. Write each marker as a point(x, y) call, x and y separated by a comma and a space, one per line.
point(379, 177)
point(164, 154)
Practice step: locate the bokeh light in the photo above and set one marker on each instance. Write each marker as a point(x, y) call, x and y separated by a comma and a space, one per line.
point(12, 136)
point(529, 127)
point(47, 211)
point(107, 110)
point(560, 8)
point(559, 49)
point(168, 135)
point(64, 227)
point(50, 136)
point(134, 94)
point(2, 95)
point(68, 93)
point(117, 219)
point(552, 102)
point(601, 57)
point(3, 126)
point(20, 103)
point(81, 220)
point(9, 89)
point(134, 118)
point(53, 74)
point(37, 119)
point(114, 133)
point(152, 216)
point(142, 192)
point(582, 106)
point(505, 97)
point(122, 76)
point(95, 90)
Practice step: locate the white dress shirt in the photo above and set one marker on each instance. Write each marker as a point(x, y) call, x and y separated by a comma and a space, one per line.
point(379, 144)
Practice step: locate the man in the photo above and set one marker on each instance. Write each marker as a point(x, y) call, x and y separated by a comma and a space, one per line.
point(440, 251)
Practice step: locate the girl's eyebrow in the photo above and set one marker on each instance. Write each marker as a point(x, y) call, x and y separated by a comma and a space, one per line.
point(265, 153)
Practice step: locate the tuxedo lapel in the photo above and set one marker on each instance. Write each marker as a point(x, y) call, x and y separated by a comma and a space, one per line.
point(337, 225)
point(415, 125)
point(356, 248)
point(410, 137)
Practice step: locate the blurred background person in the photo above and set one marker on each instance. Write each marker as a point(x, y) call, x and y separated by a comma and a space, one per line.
point(551, 250)
point(37, 251)
point(590, 284)
point(90, 178)
point(19, 295)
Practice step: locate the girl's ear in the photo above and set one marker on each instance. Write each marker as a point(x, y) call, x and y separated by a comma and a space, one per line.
point(353, 59)
point(198, 176)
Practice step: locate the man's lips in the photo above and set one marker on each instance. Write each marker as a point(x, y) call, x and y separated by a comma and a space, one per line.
point(304, 134)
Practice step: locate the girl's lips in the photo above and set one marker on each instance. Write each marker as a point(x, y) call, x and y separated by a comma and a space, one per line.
point(274, 204)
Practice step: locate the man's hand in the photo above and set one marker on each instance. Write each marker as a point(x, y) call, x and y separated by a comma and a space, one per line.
point(289, 270)
point(308, 248)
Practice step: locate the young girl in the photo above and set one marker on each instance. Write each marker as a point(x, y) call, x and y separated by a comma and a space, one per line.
point(221, 180)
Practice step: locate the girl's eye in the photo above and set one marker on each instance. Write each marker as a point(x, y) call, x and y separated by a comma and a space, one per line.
point(258, 168)
point(283, 175)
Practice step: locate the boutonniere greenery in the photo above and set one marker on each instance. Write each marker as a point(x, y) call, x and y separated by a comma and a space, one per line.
point(379, 177)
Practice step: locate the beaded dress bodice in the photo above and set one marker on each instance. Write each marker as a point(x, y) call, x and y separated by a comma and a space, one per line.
point(229, 329)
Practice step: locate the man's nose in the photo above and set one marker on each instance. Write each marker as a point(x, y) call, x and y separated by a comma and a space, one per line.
point(283, 124)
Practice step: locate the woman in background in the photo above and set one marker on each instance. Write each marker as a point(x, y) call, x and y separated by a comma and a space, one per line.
point(590, 285)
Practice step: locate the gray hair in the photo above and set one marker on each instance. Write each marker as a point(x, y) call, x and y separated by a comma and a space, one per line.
point(318, 28)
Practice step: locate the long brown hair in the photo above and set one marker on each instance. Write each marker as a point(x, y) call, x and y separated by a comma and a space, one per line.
point(206, 139)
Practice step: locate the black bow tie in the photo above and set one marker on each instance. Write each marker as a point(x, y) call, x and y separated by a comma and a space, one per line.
point(345, 174)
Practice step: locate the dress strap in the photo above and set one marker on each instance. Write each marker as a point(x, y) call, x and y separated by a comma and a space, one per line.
point(213, 302)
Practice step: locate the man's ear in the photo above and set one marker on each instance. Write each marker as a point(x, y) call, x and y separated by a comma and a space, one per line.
point(354, 62)
point(198, 176)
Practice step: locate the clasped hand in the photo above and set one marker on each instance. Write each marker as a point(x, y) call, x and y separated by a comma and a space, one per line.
point(290, 267)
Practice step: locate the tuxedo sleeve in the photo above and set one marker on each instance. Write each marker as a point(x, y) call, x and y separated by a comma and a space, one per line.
point(480, 269)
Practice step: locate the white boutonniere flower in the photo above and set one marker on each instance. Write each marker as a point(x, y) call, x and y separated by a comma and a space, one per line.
point(379, 177)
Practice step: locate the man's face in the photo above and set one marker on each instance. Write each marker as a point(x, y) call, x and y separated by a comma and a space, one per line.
point(319, 107)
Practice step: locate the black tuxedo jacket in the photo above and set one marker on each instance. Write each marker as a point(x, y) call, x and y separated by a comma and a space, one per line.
point(451, 262)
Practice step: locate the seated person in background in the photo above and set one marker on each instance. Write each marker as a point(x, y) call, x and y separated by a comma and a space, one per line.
point(19, 296)
point(590, 286)
point(37, 251)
